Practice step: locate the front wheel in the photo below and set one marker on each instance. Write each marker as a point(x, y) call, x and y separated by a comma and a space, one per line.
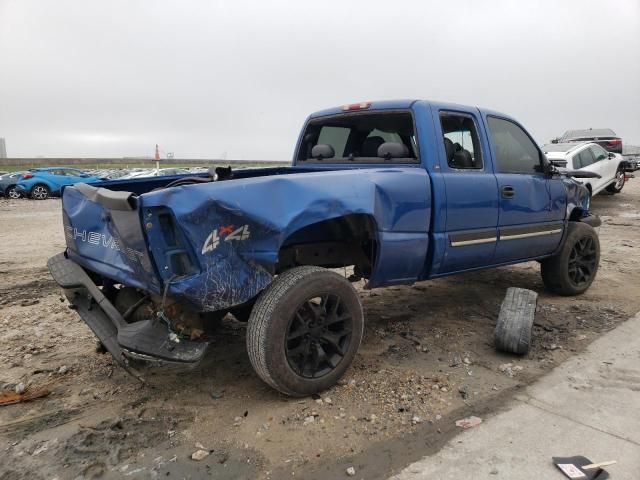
point(618, 184)
point(305, 330)
point(40, 192)
point(12, 192)
point(573, 269)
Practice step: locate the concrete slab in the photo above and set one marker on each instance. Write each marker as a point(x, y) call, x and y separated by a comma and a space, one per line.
point(588, 406)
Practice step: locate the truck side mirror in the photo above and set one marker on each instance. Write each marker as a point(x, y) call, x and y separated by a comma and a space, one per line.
point(612, 155)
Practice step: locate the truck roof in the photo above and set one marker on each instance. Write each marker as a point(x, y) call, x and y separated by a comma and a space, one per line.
point(401, 104)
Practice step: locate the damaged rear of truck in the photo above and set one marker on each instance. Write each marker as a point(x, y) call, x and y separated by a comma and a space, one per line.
point(397, 191)
point(153, 265)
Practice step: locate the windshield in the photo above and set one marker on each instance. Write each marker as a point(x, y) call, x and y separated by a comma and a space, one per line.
point(357, 137)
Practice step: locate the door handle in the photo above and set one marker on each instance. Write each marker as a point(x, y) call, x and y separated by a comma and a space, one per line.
point(508, 191)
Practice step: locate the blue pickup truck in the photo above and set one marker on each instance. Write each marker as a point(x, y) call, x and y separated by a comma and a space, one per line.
point(398, 191)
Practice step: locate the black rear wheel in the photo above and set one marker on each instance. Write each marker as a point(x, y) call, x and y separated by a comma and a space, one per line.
point(573, 270)
point(319, 335)
point(305, 330)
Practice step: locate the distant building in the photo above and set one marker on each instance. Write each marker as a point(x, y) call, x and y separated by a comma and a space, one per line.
point(3, 148)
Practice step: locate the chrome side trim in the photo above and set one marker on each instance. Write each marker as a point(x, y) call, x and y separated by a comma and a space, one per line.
point(462, 243)
point(532, 234)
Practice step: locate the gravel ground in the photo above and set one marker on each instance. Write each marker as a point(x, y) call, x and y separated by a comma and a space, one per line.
point(427, 360)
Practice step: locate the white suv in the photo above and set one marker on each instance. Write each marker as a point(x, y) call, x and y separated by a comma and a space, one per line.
point(590, 157)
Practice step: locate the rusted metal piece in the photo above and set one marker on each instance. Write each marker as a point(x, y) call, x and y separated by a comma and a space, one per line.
point(10, 397)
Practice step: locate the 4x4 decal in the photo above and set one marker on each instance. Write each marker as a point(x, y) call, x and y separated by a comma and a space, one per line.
point(228, 233)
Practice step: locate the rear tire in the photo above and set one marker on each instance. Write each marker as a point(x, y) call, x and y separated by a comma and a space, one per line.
point(618, 184)
point(573, 269)
point(305, 330)
point(40, 192)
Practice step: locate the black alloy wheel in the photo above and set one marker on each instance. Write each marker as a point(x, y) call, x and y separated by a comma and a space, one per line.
point(582, 262)
point(318, 336)
point(572, 270)
point(304, 331)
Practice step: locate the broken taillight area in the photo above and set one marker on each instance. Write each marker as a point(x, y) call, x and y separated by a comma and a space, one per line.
point(135, 305)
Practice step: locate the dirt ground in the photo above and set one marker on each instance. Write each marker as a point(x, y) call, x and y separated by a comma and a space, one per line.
point(427, 360)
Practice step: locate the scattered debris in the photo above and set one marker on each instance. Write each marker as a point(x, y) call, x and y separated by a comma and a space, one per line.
point(351, 471)
point(199, 455)
point(308, 420)
point(581, 467)
point(464, 391)
point(217, 394)
point(457, 360)
point(9, 397)
point(63, 369)
point(510, 369)
point(416, 420)
point(469, 422)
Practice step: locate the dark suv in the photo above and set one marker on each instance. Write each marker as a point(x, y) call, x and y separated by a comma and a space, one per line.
point(605, 137)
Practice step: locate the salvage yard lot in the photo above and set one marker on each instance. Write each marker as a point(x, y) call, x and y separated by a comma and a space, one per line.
point(427, 359)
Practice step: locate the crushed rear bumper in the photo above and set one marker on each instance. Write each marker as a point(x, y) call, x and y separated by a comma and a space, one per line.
point(148, 340)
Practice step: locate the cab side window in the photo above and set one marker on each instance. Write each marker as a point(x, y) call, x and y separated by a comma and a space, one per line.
point(514, 150)
point(599, 153)
point(461, 143)
point(584, 158)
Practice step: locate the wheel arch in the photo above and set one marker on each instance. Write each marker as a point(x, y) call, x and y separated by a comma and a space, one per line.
point(349, 239)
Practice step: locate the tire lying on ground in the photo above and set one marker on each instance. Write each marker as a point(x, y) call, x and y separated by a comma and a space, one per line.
point(305, 330)
point(517, 313)
point(573, 269)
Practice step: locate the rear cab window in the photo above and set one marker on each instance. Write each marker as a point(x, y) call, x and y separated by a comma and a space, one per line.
point(357, 137)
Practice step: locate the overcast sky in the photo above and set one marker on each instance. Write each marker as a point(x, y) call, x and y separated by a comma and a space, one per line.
point(205, 78)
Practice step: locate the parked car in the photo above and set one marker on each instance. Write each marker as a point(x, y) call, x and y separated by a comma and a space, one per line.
point(402, 191)
point(8, 184)
point(605, 137)
point(41, 183)
point(593, 158)
point(633, 163)
point(163, 172)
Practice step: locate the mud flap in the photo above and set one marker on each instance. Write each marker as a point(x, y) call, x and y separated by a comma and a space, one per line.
point(148, 340)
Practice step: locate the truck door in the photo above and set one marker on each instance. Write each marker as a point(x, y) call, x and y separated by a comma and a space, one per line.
point(471, 192)
point(532, 205)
